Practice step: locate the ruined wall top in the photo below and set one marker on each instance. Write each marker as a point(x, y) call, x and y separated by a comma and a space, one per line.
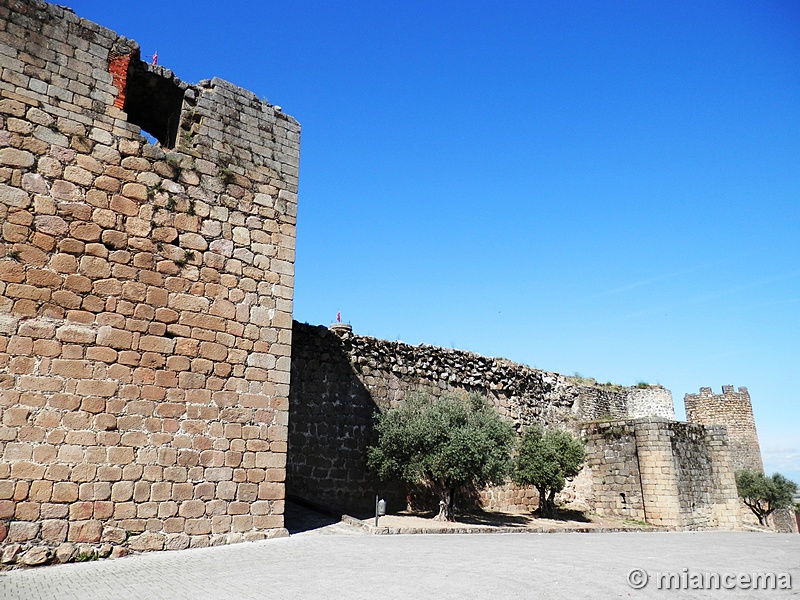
point(445, 367)
point(84, 69)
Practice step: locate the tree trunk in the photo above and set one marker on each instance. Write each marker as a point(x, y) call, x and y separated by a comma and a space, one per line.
point(446, 494)
point(759, 511)
point(542, 502)
point(547, 504)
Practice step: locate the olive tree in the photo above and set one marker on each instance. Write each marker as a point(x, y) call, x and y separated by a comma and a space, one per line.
point(444, 443)
point(764, 495)
point(546, 459)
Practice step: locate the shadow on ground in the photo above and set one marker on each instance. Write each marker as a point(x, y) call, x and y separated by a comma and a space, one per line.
point(502, 519)
point(569, 515)
point(299, 518)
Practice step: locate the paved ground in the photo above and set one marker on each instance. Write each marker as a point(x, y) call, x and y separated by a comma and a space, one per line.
point(340, 562)
point(325, 558)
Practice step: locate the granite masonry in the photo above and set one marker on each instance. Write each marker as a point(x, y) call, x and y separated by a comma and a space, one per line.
point(734, 410)
point(663, 472)
point(145, 298)
point(642, 463)
point(147, 236)
point(340, 379)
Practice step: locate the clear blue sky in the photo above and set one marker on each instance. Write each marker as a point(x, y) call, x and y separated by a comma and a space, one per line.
point(609, 188)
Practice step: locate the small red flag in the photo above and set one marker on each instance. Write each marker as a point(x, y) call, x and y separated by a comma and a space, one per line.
point(155, 57)
point(339, 317)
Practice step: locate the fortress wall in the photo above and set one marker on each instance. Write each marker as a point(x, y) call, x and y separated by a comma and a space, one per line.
point(613, 462)
point(733, 410)
point(650, 401)
point(691, 453)
point(671, 474)
point(146, 287)
point(726, 513)
point(145, 296)
point(339, 380)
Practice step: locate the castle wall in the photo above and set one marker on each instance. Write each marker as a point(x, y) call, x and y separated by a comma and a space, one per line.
point(613, 462)
point(649, 401)
point(705, 477)
point(339, 380)
point(145, 295)
point(663, 472)
point(733, 410)
point(146, 334)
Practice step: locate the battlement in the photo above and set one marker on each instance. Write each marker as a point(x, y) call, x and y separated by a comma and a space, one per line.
point(734, 410)
point(727, 391)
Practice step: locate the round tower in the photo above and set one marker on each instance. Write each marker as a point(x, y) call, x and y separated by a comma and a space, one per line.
point(734, 410)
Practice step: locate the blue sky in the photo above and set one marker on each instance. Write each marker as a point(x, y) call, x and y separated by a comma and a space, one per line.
point(608, 188)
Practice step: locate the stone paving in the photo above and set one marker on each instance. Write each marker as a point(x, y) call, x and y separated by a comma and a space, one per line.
point(338, 562)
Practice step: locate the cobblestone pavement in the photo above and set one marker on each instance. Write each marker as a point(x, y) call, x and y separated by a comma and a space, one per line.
point(319, 566)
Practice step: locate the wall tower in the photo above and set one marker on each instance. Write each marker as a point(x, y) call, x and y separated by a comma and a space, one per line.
point(733, 410)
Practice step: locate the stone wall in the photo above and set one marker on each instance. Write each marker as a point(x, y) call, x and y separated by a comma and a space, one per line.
point(649, 401)
point(640, 466)
point(705, 476)
point(611, 458)
point(145, 296)
point(663, 472)
point(339, 380)
point(785, 520)
point(733, 410)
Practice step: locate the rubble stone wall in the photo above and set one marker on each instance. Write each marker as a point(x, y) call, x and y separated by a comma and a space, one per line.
point(145, 297)
point(340, 379)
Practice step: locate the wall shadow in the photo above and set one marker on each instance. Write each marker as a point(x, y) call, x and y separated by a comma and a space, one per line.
point(331, 424)
point(300, 516)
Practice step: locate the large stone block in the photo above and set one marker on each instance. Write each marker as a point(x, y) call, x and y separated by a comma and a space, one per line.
point(110, 286)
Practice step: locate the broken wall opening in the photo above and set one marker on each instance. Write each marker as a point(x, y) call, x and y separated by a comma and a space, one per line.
point(153, 102)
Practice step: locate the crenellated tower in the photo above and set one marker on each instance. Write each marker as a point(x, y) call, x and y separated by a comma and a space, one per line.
point(734, 410)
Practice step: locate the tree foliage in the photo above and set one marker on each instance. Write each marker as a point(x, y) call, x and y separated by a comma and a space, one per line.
point(546, 459)
point(444, 443)
point(764, 495)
